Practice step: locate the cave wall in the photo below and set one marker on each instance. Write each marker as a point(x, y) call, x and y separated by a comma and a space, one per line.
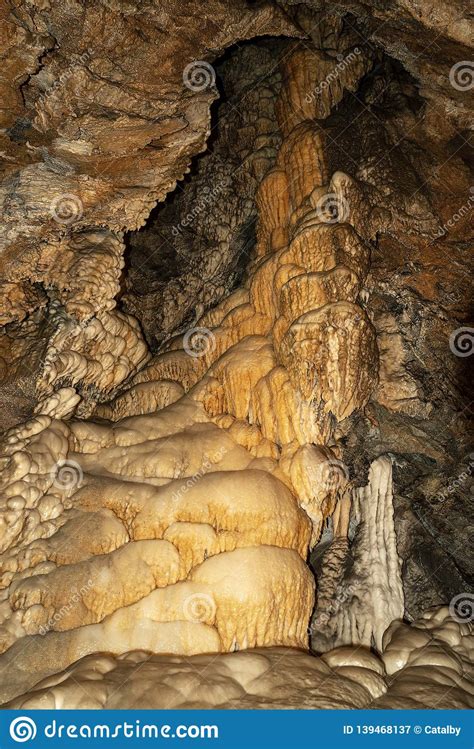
point(90, 145)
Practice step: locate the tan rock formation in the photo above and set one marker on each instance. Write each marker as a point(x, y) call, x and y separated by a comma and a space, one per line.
point(346, 678)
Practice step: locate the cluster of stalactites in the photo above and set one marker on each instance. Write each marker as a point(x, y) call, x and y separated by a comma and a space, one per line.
point(293, 352)
point(93, 347)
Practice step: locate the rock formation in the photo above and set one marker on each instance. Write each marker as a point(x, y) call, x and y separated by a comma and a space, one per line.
point(277, 678)
point(197, 409)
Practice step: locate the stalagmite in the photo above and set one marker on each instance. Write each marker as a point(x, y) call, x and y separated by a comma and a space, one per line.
point(362, 580)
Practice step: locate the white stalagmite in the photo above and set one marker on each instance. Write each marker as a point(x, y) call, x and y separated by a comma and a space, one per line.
point(373, 506)
point(375, 597)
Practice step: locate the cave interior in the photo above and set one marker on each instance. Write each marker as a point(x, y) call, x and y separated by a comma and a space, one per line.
point(235, 338)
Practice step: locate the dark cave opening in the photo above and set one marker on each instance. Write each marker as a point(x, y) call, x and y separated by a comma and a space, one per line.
point(168, 254)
